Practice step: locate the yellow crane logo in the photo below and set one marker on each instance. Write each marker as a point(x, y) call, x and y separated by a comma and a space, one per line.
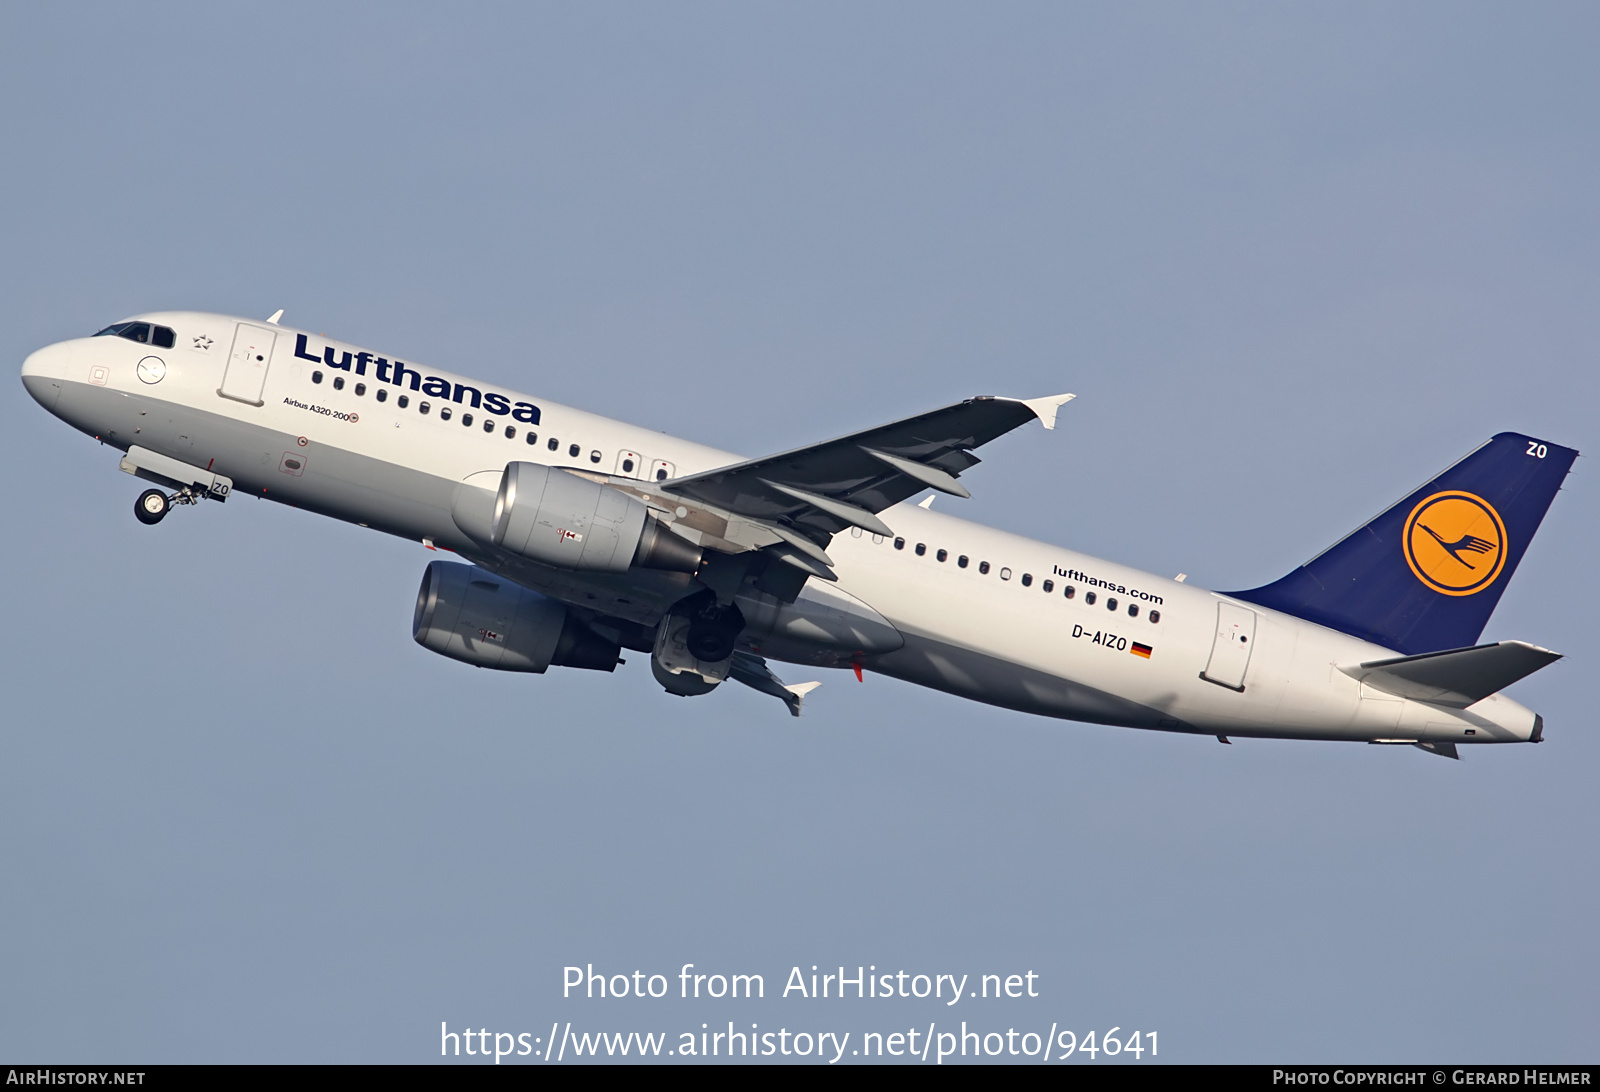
point(1455, 542)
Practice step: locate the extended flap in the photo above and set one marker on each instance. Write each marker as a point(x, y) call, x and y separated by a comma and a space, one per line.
point(1457, 677)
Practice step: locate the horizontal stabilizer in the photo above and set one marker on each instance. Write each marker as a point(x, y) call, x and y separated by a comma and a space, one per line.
point(1456, 678)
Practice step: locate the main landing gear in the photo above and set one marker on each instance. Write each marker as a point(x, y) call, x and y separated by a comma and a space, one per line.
point(714, 630)
point(153, 505)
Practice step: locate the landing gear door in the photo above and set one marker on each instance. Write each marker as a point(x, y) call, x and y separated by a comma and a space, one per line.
point(248, 364)
point(1230, 650)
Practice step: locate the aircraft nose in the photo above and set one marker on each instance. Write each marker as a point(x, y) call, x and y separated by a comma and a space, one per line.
point(42, 373)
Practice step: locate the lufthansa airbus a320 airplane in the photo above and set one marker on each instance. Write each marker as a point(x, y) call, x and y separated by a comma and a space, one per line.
point(582, 536)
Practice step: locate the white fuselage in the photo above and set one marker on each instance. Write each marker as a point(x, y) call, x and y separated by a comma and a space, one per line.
point(998, 629)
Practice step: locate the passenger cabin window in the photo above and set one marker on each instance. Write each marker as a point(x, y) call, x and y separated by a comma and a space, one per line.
point(361, 389)
point(1005, 574)
point(1049, 586)
point(983, 567)
point(1027, 580)
point(899, 544)
point(1155, 616)
point(403, 401)
point(511, 432)
point(962, 561)
point(143, 332)
point(382, 395)
point(422, 408)
point(572, 451)
point(466, 420)
point(627, 466)
point(316, 377)
point(1133, 610)
point(1111, 604)
point(1070, 592)
point(922, 548)
point(338, 382)
point(594, 456)
point(533, 437)
point(445, 412)
point(553, 444)
point(943, 555)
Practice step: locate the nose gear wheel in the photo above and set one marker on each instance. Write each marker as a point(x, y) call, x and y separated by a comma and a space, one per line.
point(153, 505)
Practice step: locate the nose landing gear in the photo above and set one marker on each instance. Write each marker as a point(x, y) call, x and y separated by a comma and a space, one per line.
point(153, 505)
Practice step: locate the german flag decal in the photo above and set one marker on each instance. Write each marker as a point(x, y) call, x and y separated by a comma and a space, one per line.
point(1141, 650)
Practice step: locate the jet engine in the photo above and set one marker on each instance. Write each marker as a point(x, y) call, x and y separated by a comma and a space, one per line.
point(560, 519)
point(470, 615)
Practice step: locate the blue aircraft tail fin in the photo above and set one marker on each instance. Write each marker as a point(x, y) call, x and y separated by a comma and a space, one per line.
point(1427, 573)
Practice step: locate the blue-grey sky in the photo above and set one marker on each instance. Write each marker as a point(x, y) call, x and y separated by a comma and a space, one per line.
point(1294, 259)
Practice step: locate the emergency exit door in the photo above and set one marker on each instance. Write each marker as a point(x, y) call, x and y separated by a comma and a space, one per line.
point(1230, 649)
point(248, 363)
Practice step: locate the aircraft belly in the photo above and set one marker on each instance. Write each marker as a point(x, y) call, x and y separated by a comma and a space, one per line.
point(929, 661)
point(825, 626)
point(331, 481)
point(45, 390)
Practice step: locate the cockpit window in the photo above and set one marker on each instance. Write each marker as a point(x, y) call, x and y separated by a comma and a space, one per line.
point(142, 332)
point(133, 331)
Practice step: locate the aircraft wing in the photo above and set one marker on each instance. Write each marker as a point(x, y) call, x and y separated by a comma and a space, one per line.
point(753, 671)
point(814, 492)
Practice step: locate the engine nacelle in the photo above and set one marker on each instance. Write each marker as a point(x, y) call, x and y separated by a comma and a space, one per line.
point(470, 615)
point(569, 522)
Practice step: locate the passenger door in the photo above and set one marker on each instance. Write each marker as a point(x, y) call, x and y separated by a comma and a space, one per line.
point(248, 363)
point(1230, 649)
